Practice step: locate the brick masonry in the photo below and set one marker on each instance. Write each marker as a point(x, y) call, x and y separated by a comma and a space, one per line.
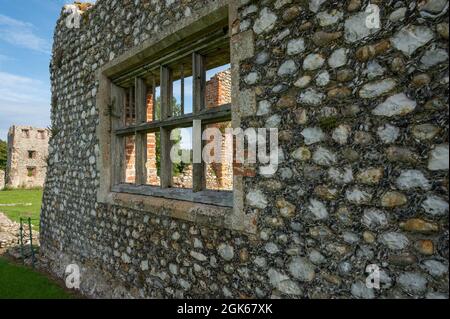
point(363, 121)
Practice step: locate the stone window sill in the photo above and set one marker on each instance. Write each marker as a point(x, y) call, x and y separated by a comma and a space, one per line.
point(209, 197)
point(199, 213)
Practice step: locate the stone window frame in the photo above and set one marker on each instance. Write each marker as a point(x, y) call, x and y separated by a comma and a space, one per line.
point(41, 134)
point(143, 80)
point(25, 133)
point(31, 171)
point(32, 154)
point(241, 47)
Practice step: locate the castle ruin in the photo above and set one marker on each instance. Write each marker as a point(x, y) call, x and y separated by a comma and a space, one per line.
point(2, 179)
point(27, 156)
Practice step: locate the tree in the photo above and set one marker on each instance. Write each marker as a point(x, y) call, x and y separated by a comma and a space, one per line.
point(3, 155)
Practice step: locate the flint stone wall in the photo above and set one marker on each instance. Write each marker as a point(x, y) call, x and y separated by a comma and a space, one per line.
point(363, 122)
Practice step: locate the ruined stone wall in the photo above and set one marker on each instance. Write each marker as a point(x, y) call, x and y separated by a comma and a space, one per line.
point(2, 179)
point(27, 156)
point(363, 122)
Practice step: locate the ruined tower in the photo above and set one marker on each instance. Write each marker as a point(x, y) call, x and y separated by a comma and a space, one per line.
point(27, 156)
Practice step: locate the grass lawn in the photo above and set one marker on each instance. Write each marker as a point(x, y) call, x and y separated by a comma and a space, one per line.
point(22, 197)
point(20, 282)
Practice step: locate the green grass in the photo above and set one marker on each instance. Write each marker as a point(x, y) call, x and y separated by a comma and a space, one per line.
point(20, 282)
point(22, 196)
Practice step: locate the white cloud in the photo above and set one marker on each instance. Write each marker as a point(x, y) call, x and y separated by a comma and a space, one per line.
point(20, 33)
point(23, 101)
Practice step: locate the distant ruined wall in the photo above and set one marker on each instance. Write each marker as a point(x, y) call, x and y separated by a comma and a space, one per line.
point(2, 179)
point(27, 156)
point(362, 115)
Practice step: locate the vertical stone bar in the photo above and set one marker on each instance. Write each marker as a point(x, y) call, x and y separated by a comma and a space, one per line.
point(117, 142)
point(182, 89)
point(199, 84)
point(141, 138)
point(166, 112)
point(154, 98)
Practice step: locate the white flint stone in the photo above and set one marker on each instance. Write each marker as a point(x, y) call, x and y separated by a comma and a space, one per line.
point(374, 70)
point(226, 251)
point(252, 78)
point(412, 282)
point(283, 283)
point(411, 37)
point(350, 238)
point(374, 218)
point(323, 78)
point(263, 108)
point(395, 241)
point(435, 206)
point(295, 46)
point(356, 27)
point(314, 5)
point(198, 256)
point(311, 97)
point(338, 58)
point(388, 133)
point(312, 135)
point(411, 179)
point(316, 257)
point(361, 291)
point(271, 248)
point(398, 15)
point(249, 10)
point(435, 268)
point(303, 81)
point(323, 156)
point(301, 269)
point(434, 57)
point(318, 209)
point(341, 134)
point(398, 104)
point(256, 198)
point(313, 61)
point(434, 6)
point(357, 196)
point(287, 68)
point(280, 3)
point(341, 177)
point(144, 265)
point(273, 121)
point(439, 158)
point(375, 89)
point(265, 22)
point(327, 18)
point(262, 57)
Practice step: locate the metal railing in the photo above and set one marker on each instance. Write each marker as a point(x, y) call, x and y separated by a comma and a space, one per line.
point(21, 238)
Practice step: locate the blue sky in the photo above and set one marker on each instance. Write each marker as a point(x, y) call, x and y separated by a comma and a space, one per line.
point(26, 33)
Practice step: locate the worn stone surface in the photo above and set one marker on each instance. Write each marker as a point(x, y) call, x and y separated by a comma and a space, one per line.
point(2, 179)
point(325, 202)
point(27, 157)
